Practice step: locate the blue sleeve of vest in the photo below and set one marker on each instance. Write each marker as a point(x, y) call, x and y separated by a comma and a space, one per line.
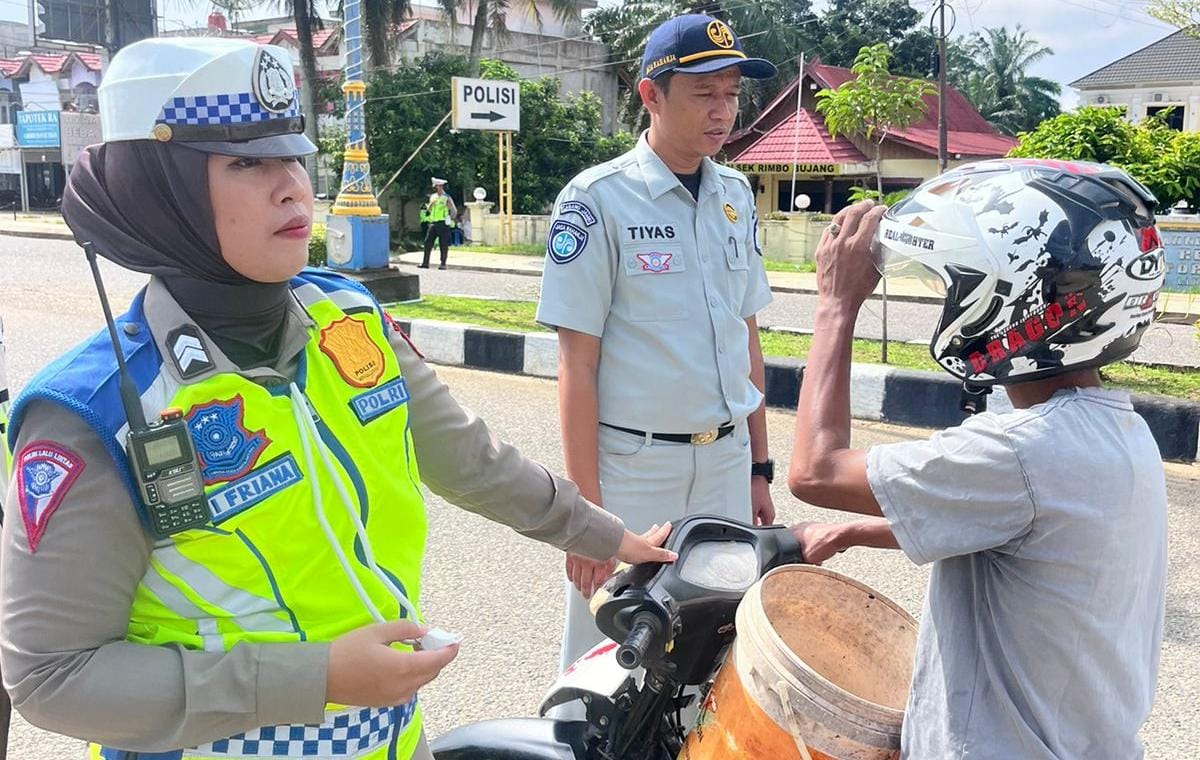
point(85, 382)
point(330, 282)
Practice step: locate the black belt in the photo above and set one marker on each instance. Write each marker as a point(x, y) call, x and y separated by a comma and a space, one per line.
point(699, 439)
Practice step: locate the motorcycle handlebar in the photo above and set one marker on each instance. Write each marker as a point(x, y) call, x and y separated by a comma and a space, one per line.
point(633, 650)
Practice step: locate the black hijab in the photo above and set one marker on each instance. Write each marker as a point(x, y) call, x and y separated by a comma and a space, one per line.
point(145, 205)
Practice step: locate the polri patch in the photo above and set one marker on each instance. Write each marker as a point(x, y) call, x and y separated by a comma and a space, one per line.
point(45, 472)
point(254, 487)
point(565, 241)
point(730, 212)
point(580, 209)
point(379, 401)
point(227, 449)
point(348, 345)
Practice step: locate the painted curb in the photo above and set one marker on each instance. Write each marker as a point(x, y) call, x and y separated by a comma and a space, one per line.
point(877, 393)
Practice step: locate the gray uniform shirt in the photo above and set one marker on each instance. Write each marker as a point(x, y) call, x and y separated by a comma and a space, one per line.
point(666, 282)
point(64, 609)
point(1041, 630)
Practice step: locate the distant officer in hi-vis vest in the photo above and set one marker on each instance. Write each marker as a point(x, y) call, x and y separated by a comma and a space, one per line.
point(440, 213)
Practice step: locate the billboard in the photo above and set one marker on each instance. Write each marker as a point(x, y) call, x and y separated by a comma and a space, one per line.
point(78, 131)
point(37, 129)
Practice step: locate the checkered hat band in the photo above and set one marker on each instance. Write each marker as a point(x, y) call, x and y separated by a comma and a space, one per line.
point(226, 108)
point(348, 733)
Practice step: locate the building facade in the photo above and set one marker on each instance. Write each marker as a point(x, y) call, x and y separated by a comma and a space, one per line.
point(1164, 75)
point(788, 150)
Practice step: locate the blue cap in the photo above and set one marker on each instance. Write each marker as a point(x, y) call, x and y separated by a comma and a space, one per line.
point(699, 44)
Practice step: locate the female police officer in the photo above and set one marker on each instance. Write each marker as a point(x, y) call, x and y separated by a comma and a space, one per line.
point(271, 629)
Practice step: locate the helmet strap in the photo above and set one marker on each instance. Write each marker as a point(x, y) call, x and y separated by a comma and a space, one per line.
point(974, 398)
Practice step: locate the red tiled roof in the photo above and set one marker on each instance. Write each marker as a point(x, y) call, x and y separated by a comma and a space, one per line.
point(969, 134)
point(90, 60)
point(51, 64)
point(815, 145)
point(10, 66)
point(977, 144)
point(320, 36)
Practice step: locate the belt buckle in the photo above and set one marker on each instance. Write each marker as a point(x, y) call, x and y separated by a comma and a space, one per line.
point(705, 438)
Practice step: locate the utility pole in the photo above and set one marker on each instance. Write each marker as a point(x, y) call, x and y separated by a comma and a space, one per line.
point(941, 85)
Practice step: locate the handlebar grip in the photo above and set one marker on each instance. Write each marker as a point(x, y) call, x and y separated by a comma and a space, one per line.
point(633, 650)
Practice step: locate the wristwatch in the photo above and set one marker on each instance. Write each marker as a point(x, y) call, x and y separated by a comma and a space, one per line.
point(764, 469)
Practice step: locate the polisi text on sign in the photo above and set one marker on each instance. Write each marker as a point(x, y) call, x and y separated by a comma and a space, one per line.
point(475, 93)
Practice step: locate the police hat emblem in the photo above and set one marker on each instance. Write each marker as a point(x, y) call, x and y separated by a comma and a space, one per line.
point(273, 85)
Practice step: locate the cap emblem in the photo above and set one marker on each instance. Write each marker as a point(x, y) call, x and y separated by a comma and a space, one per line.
point(273, 85)
point(720, 34)
point(162, 132)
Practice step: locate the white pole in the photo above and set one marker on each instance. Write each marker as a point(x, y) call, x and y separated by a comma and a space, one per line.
point(796, 134)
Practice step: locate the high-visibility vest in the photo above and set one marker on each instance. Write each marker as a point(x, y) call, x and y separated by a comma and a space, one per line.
point(439, 207)
point(266, 569)
point(6, 458)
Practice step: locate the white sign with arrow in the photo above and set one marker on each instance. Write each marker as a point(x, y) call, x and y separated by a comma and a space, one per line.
point(493, 105)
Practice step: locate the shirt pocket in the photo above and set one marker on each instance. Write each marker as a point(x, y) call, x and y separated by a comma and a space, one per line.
point(736, 253)
point(655, 274)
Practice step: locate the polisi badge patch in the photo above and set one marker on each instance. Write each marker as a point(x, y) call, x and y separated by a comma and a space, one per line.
point(565, 241)
point(272, 82)
point(730, 212)
point(348, 345)
point(45, 472)
point(227, 449)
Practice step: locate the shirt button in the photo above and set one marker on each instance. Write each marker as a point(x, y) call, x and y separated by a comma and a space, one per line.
point(712, 302)
point(720, 349)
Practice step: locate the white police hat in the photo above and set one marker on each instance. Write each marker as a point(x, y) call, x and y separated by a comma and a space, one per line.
point(207, 93)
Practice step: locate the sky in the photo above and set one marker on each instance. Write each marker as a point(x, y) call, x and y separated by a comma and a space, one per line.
point(1084, 34)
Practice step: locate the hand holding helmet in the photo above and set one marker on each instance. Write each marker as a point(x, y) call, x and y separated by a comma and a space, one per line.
point(846, 271)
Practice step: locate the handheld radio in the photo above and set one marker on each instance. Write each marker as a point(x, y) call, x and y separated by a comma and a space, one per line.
point(165, 465)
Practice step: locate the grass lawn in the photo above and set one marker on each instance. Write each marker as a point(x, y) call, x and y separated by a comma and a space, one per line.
point(519, 316)
point(787, 266)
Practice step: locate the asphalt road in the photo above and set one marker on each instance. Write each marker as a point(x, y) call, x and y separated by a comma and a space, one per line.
point(504, 592)
point(1163, 343)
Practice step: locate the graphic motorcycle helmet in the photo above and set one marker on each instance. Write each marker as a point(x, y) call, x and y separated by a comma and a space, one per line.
point(1046, 266)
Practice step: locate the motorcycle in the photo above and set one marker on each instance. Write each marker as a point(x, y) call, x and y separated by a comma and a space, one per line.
point(670, 628)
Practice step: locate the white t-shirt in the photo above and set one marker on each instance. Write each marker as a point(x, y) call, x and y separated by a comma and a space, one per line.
point(1041, 630)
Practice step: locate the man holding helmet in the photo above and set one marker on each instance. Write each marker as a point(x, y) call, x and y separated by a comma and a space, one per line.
point(1046, 525)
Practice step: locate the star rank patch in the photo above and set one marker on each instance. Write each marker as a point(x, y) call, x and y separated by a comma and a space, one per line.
point(45, 472)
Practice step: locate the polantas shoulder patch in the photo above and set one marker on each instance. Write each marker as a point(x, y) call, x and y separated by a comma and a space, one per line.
point(45, 473)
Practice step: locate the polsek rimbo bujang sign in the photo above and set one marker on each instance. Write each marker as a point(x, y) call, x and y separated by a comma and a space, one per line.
point(493, 105)
point(801, 170)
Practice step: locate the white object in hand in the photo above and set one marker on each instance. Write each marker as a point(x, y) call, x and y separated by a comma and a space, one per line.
point(438, 638)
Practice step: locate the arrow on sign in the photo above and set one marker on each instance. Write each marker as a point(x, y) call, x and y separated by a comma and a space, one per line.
point(490, 116)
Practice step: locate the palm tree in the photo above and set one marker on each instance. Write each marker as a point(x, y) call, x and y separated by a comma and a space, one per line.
point(773, 29)
point(1000, 87)
point(493, 15)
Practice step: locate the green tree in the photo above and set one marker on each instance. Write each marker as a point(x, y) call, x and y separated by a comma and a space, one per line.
point(998, 84)
point(847, 26)
point(1165, 161)
point(559, 136)
point(776, 30)
point(873, 103)
point(1184, 14)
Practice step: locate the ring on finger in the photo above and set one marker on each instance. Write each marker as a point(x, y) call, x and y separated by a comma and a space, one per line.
point(834, 229)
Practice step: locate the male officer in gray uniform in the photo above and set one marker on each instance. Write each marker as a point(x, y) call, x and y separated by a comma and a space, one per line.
point(652, 280)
